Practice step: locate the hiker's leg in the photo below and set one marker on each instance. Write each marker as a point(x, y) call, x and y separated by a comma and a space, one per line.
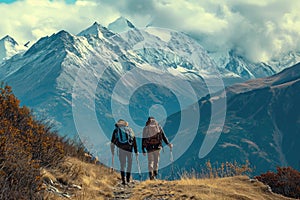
point(129, 161)
point(150, 164)
point(156, 155)
point(122, 158)
point(129, 166)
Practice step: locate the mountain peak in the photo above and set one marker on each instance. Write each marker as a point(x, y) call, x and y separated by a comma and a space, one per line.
point(97, 30)
point(120, 25)
point(63, 33)
point(8, 48)
point(9, 39)
point(96, 24)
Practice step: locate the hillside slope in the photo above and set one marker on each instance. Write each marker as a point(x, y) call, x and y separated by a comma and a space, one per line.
point(262, 124)
point(239, 187)
point(98, 182)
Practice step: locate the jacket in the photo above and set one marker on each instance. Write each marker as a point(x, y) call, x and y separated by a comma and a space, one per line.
point(126, 147)
point(150, 147)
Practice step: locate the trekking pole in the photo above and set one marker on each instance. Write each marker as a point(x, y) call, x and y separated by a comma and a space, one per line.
point(172, 165)
point(139, 168)
point(112, 163)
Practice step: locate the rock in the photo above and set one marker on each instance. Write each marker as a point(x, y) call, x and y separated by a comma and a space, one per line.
point(76, 186)
point(253, 180)
point(269, 189)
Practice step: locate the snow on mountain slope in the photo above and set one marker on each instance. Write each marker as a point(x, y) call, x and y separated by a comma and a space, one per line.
point(97, 30)
point(285, 61)
point(242, 67)
point(120, 25)
point(249, 70)
point(9, 47)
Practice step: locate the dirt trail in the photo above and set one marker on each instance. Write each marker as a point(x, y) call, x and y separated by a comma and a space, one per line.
point(124, 192)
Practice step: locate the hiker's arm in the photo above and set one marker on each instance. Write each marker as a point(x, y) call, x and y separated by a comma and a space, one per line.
point(165, 139)
point(113, 142)
point(135, 145)
point(144, 141)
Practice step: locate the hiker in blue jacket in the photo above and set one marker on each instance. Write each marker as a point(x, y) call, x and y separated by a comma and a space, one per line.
point(123, 137)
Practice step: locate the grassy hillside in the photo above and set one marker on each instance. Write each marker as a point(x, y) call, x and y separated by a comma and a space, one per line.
point(239, 187)
point(79, 180)
point(98, 182)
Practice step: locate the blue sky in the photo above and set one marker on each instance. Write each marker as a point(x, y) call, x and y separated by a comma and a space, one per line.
point(257, 29)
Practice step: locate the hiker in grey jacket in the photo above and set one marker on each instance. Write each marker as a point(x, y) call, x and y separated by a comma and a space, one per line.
point(153, 135)
point(123, 137)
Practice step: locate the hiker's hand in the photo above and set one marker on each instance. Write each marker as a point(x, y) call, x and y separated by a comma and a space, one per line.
point(144, 154)
point(137, 154)
point(170, 145)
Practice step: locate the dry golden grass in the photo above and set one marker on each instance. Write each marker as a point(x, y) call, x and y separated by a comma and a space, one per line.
point(238, 187)
point(97, 181)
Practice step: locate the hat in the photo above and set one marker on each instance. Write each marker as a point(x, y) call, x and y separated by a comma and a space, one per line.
point(122, 122)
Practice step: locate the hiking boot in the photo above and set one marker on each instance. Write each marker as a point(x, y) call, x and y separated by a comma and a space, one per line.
point(128, 177)
point(151, 176)
point(123, 178)
point(155, 173)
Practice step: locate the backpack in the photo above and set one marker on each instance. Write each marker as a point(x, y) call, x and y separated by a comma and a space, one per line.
point(153, 134)
point(124, 136)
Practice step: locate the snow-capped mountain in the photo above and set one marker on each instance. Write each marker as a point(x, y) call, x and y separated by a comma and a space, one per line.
point(284, 61)
point(9, 47)
point(228, 61)
point(249, 70)
point(86, 81)
point(97, 30)
point(241, 66)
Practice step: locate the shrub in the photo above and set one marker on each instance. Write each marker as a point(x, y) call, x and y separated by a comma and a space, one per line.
point(26, 145)
point(286, 181)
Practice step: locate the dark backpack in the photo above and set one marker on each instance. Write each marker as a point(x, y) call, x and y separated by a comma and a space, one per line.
point(153, 134)
point(124, 135)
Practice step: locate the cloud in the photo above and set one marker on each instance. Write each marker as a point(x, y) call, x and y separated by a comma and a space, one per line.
point(31, 20)
point(256, 29)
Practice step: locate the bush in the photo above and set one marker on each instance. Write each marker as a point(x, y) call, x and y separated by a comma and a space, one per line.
point(286, 181)
point(26, 145)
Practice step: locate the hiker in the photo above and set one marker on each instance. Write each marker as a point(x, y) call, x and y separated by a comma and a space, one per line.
point(123, 137)
point(153, 135)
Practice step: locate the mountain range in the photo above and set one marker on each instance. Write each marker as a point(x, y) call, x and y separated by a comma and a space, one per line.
point(262, 124)
point(45, 74)
point(83, 83)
